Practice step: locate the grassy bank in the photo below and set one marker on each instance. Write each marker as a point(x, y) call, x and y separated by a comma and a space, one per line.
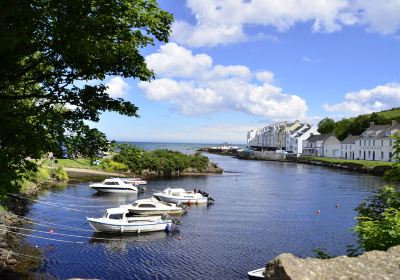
point(363, 166)
point(73, 163)
point(364, 163)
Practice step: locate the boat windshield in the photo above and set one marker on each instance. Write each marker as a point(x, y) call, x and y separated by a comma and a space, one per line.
point(116, 216)
point(135, 204)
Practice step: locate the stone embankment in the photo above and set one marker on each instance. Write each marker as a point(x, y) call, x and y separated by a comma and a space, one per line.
point(370, 266)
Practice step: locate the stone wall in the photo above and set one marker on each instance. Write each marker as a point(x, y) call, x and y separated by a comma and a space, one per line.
point(268, 155)
point(371, 265)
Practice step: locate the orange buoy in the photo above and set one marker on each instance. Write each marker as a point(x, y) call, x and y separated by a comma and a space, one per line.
point(189, 202)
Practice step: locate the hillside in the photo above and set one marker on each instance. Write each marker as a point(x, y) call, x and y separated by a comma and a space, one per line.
point(356, 125)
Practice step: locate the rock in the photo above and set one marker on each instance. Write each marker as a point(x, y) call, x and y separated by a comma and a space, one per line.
point(371, 265)
point(11, 261)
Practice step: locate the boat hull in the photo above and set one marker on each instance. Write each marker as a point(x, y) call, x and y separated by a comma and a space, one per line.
point(156, 212)
point(256, 274)
point(100, 226)
point(114, 189)
point(178, 200)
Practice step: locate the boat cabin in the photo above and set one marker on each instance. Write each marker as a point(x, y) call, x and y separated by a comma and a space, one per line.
point(116, 213)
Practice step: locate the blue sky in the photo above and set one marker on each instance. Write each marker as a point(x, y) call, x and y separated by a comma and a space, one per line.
point(232, 65)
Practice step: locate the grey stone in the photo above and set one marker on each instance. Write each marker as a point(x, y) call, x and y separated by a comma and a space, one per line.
point(371, 265)
point(11, 261)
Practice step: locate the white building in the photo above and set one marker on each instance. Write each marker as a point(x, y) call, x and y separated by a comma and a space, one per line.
point(295, 137)
point(376, 143)
point(348, 147)
point(323, 145)
point(271, 137)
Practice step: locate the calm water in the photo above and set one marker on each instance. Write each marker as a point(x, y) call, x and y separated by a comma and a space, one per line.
point(262, 209)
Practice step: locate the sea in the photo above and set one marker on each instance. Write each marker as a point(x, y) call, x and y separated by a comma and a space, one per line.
point(262, 209)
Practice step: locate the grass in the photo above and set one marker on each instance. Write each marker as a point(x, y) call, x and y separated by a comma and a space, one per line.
point(366, 163)
point(74, 163)
point(391, 114)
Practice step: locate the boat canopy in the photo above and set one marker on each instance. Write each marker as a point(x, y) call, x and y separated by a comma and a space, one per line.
point(119, 210)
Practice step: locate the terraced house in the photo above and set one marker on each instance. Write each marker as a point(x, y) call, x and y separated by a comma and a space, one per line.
point(376, 143)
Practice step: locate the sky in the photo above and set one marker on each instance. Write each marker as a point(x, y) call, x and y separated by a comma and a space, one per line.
point(231, 66)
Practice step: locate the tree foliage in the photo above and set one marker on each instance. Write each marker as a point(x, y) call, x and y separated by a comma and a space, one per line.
point(49, 51)
point(326, 126)
point(163, 162)
point(378, 226)
point(353, 126)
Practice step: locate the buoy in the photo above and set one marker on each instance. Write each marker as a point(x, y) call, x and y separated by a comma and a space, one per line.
point(168, 228)
point(189, 202)
point(318, 212)
point(197, 202)
point(51, 230)
point(179, 238)
point(337, 205)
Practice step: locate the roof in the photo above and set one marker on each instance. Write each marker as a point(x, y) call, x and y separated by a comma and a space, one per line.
point(118, 210)
point(319, 137)
point(351, 139)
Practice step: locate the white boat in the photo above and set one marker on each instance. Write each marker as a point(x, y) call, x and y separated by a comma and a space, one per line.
point(114, 185)
point(181, 196)
point(256, 274)
point(136, 181)
point(119, 220)
point(152, 206)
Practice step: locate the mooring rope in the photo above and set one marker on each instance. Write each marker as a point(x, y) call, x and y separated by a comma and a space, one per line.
point(64, 234)
point(41, 237)
point(19, 254)
point(50, 204)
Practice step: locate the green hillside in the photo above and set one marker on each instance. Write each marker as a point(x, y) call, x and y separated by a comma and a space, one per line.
point(356, 125)
point(391, 114)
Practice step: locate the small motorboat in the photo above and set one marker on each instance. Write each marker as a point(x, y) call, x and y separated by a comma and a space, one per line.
point(136, 181)
point(119, 220)
point(152, 206)
point(114, 185)
point(256, 274)
point(181, 196)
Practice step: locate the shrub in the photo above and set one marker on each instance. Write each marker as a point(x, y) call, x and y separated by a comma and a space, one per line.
point(113, 166)
point(378, 226)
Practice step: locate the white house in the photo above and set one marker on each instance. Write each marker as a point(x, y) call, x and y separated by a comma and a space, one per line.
point(295, 137)
point(376, 143)
point(348, 147)
point(323, 145)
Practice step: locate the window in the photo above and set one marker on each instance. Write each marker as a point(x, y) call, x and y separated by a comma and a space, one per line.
point(144, 205)
point(373, 142)
point(115, 216)
point(382, 155)
point(110, 183)
point(382, 143)
point(135, 204)
point(369, 153)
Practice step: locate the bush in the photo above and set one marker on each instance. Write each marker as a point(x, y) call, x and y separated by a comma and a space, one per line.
point(113, 166)
point(161, 161)
point(59, 174)
point(378, 226)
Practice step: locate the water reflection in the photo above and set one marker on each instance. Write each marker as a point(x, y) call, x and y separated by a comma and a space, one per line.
point(261, 209)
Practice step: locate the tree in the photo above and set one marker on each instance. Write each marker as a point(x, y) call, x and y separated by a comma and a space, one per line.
point(326, 126)
point(49, 51)
point(378, 226)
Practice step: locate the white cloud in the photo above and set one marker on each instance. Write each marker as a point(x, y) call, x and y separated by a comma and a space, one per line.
point(213, 88)
point(117, 88)
point(222, 22)
point(368, 100)
point(307, 59)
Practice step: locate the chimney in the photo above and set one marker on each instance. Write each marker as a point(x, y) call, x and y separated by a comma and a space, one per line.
point(371, 124)
point(394, 122)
